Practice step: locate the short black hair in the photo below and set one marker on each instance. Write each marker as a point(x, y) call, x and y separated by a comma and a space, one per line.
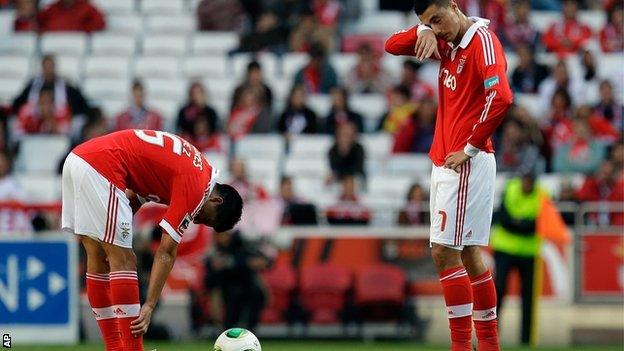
point(229, 212)
point(420, 6)
point(253, 65)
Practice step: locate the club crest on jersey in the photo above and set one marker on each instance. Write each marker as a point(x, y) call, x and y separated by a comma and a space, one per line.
point(462, 61)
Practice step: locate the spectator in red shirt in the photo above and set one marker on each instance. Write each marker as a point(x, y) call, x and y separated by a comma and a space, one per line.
point(71, 15)
point(348, 210)
point(25, 16)
point(138, 115)
point(415, 211)
point(318, 76)
point(612, 35)
point(418, 89)
point(519, 30)
point(45, 117)
point(569, 35)
point(254, 82)
point(244, 114)
point(602, 186)
point(368, 75)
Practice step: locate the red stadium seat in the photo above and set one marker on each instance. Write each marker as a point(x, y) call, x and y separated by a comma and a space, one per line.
point(380, 291)
point(281, 282)
point(323, 288)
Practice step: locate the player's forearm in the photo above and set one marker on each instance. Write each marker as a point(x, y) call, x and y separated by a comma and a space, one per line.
point(494, 114)
point(163, 263)
point(402, 43)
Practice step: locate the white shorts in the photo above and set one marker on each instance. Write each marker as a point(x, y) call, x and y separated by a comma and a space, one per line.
point(93, 206)
point(461, 204)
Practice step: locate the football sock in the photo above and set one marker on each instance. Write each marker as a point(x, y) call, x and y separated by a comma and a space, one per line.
point(98, 292)
point(458, 298)
point(484, 313)
point(125, 297)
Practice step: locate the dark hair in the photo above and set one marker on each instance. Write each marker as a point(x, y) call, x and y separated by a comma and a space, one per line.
point(253, 65)
point(47, 57)
point(420, 6)
point(413, 187)
point(564, 94)
point(413, 65)
point(403, 90)
point(285, 178)
point(137, 84)
point(229, 212)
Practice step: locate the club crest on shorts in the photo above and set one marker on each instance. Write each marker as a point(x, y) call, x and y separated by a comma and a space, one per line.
point(462, 61)
point(125, 230)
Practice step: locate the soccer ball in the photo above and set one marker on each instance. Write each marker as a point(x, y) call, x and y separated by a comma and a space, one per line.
point(237, 339)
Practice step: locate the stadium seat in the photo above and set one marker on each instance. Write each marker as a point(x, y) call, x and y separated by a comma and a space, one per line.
point(382, 22)
point(378, 145)
point(170, 24)
point(311, 167)
point(41, 153)
point(162, 7)
point(220, 89)
point(259, 168)
point(261, 146)
point(269, 63)
point(343, 63)
point(24, 44)
point(202, 67)
point(281, 281)
point(310, 146)
point(14, 67)
point(9, 88)
point(380, 292)
point(69, 67)
point(40, 188)
point(116, 6)
point(532, 102)
point(213, 43)
point(409, 164)
point(168, 108)
point(107, 44)
point(309, 188)
point(106, 67)
point(172, 89)
point(551, 183)
point(105, 88)
point(594, 19)
point(127, 24)
point(280, 87)
point(220, 162)
point(292, 63)
point(371, 106)
point(391, 186)
point(428, 73)
point(111, 107)
point(6, 21)
point(67, 44)
point(323, 290)
point(393, 65)
point(320, 104)
point(542, 20)
point(156, 67)
point(165, 45)
point(369, 6)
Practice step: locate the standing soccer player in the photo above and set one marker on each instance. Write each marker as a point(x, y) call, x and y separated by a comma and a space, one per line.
point(105, 181)
point(474, 96)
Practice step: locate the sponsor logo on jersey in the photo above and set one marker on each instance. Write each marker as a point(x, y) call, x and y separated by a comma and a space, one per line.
point(490, 82)
point(462, 61)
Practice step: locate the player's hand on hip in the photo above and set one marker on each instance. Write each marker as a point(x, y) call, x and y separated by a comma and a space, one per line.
point(455, 159)
point(426, 45)
point(139, 326)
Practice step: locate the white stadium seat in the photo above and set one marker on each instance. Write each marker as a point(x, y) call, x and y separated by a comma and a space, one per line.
point(220, 162)
point(532, 102)
point(116, 6)
point(156, 67)
point(176, 24)
point(165, 44)
point(279, 86)
point(551, 183)
point(309, 188)
point(378, 145)
point(259, 168)
point(542, 20)
point(371, 106)
point(261, 146)
point(112, 44)
point(390, 186)
point(292, 63)
point(214, 43)
point(320, 104)
point(18, 44)
point(594, 19)
point(69, 67)
point(104, 88)
point(343, 64)
point(162, 7)
point(409, 164)
point(106, 67)
point(173, 89)
point(14, 67)
point(112, 107)
point(68, 44)
point(9, 88)
point(383, 22)
point(269, 63)
point(310, 168)
point(6, 21)
point(310, 146)
point(127, 24)
point(220, 88)
point(41, 188)
point(41, 153)
point(205, 67)
point(168, 108)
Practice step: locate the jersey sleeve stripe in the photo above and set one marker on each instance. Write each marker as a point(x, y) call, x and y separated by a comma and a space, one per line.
point(485, 55)
point(488, 46)
point(169, 229)
point(486, 110)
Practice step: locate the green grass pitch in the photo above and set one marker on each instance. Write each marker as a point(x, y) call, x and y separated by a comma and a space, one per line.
point(305, 346)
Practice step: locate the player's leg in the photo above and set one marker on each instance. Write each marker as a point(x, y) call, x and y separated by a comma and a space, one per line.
point(99, 293)
point(446, 254)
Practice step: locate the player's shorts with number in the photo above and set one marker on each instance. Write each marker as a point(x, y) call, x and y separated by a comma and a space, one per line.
point(462, 202)
point(93, 206)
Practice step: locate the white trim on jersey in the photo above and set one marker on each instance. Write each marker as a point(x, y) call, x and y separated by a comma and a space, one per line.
point(488, 46)
point(169, 229)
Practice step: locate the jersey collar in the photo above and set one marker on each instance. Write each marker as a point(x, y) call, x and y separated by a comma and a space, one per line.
point(478, 23)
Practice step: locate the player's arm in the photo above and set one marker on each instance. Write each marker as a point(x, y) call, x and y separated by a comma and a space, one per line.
point(493, 73)
point(418, 41)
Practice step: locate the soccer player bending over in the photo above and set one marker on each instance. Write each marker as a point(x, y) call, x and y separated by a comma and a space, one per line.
point(474, 96)
point(105, 181)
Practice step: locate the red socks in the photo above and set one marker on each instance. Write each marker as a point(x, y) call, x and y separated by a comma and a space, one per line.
point(98, 292)
point(125, 297)
point(484, 314)
point(458, 297)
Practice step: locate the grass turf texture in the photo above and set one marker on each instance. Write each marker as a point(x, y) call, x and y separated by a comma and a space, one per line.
point(307, 346)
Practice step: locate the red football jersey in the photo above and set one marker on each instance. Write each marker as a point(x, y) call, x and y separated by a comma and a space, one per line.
point(473, 89)
point(159, 166)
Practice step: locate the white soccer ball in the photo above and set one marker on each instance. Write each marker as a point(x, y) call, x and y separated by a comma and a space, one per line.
point(237, 339)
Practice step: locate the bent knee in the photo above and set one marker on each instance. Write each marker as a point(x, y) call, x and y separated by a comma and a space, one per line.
point(445, 257)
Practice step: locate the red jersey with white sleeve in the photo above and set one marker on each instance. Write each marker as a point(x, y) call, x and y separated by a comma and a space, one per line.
point(158, 166)
point(473, 88)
